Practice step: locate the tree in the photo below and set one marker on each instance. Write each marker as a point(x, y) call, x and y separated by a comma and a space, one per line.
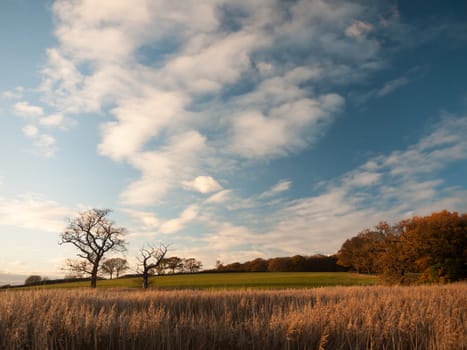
point(150, 258)
point(257, 265)
point(192, 265)
point(174, 263)
point(114, 265)
point(33, 279)
point(160, 269)
point(438, 245)
point(361, 252)
point(94, 235)
point(77, 268)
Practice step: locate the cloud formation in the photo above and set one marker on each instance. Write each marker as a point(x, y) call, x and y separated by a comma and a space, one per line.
point(25, 109)
point(244, 79)
point(32, 211)
point(203, 184)
point(388, 187)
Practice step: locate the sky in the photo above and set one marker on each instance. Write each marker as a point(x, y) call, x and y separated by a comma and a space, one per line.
point(229, 129)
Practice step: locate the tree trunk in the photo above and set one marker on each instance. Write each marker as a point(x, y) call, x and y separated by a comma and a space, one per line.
point(145, 280)
point(94, 275)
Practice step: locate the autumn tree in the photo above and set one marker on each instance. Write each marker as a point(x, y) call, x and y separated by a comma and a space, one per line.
point(94, 235)
point(114, 265)
point(362, 251)
point(150, 258)
point(395, 261)
point(438, 245)
point(433, 247)
point(257, 265)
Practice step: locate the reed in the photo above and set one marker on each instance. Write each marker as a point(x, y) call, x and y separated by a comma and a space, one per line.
point(377, 317)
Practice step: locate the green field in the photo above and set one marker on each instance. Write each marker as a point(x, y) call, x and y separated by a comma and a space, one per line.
point(245, 280)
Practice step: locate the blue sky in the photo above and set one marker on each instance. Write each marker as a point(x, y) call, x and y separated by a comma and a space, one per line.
point(229, 129)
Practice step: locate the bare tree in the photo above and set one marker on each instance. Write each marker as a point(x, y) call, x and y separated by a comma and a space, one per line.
point(114, 265)
point(77, 268)
point(94, 235)
point(150, 258)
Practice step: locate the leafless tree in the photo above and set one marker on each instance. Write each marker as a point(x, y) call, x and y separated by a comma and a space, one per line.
point(150, 258)
point(93, 235)
point(77, 268)
point(114, 265)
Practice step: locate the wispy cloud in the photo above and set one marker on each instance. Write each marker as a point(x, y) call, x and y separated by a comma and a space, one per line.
point(44, 144)
point(15, 94)
point(219, 197)
point(392, 85)
point(281, 186)
point(215, 72)
point(33, 211)
point(164, 169)
point(386, 187)
point(25, 109)
point(175, 225)
point(358, 30)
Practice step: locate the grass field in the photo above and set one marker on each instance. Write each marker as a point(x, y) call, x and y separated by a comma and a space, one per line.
point(338, 318)
point(257, 280)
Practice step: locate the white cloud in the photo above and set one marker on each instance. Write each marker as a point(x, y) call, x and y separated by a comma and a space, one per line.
point(362, 178)
point(139, 119)
point(239, 75)
point(33, 211)
point(148, 219)
point(358, 30)
point(202, 184)
point(56, 120)
point(396, 186)
point(444, 145)
point(281, 186)
point(15, 94)
point(164, 169)
point(387, 187)
point(30, 130)
point(289, 127)
point(24, 109)
point(44, 145)
point(177, 224)
point(220, 62)
point(392, 85)
point(219, 197)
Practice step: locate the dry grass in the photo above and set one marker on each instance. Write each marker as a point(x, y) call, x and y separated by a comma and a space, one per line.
point(425, 317)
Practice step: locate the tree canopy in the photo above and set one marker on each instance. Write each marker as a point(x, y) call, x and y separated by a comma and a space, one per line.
point(433, 247)
point(93, 234)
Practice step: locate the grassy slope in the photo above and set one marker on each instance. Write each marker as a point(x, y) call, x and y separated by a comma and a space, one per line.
point(258, 280)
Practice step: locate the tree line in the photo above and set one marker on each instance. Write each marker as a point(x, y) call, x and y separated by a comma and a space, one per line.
point(95, 236)
point(297, 263)
point(431, 248)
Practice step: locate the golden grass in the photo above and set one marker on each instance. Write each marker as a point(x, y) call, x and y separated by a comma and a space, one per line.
point(377, 317)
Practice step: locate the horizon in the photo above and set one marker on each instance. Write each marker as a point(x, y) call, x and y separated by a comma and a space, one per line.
point(229, 130)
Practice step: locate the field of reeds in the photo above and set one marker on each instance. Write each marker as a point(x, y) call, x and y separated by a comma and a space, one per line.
point(376, 317)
